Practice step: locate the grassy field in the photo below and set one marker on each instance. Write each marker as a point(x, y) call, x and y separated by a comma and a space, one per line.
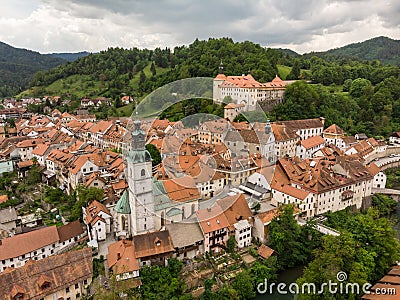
point(283, 71)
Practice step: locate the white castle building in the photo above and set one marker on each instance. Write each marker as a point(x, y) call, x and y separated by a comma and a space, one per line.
point(247, 91)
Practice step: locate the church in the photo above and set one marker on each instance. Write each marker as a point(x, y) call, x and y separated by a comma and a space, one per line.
point(149, 204)
point(244, 90)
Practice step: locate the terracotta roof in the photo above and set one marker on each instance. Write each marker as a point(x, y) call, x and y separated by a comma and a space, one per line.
point(3, 198)
point(334, 129)
point(233, 105)
point(291, 191)
point(181, 189)
point(282, 133)
point(59, 271)
point(120, 185)
point(152, 243)
point(318, 175)
point(121, 257)
point(312, 142)
point(295, 125)
point(93, 210)
point(212, 219)
point(373, 169)
point(25, 164)
point(267, 216)
point(40, 149)
point(264, 251)
point(28, 242)
point(235, 208)
point(70, 231)
point(101, 126)
point(29, 143)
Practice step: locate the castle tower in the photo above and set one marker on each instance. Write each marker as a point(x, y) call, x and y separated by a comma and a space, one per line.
point(217, 82)
point(140, 183)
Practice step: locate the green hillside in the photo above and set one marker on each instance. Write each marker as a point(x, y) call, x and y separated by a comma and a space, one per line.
point(17, 67)
point(115, 71)
point(380, 48)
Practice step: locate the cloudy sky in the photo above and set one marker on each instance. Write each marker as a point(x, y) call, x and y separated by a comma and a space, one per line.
point(93, 25)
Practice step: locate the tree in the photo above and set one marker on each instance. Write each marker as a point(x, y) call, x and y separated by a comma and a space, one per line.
point(153, 69)
point(284, 237)
point(295, 71)
point(384, 204)
point(358, 87)
point(231, 244)
point(154, 153)
point(243, 284)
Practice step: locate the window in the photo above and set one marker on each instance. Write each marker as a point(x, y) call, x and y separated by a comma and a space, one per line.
point(67, 290)
point(85, 282)
point(142, 172)
point(76, 285)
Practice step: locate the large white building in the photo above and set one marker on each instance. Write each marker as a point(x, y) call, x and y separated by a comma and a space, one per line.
point(38, 244)
point(247, 91)
point(317, 186)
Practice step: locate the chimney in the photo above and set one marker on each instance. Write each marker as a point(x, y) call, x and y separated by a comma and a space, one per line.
point(322, 120)
point(209, 209)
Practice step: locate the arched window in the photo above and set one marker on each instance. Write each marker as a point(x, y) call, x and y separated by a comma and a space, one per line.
point(142, 173)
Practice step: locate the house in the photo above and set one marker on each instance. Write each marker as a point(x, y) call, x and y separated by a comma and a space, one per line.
point(25, 148)
point(153, 248)
point(319, 185)
point(307, 148)
point(40, 153)
point(187, 239)
point(361, 136)
point(285, 141)
point(258, 183)
point(97, 219)
point(122, 261)
point(261, 224)
point(379, 176)
point(8, 221)
point(15, 251)
point(236, 210)
point(215, 228)
point(232, 110)
point(63, 276)
point(394, 138)
point(334, 135)
point(212, 132)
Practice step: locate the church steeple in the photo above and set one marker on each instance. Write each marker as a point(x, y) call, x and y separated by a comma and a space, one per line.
point(268, 127)
point(138, 151)
point(221, 68)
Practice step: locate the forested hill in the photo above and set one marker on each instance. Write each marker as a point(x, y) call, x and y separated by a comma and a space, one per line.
point(70, 56)
point(380, 48)
point(116, 70)
point(17, 67)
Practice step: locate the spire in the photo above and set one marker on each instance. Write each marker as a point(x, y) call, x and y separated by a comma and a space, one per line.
point(221, 68)
point(268, 127)
point(136, 122)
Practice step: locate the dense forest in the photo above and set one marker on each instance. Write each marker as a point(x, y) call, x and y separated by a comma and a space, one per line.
point(17, 67)
point(380, 48)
